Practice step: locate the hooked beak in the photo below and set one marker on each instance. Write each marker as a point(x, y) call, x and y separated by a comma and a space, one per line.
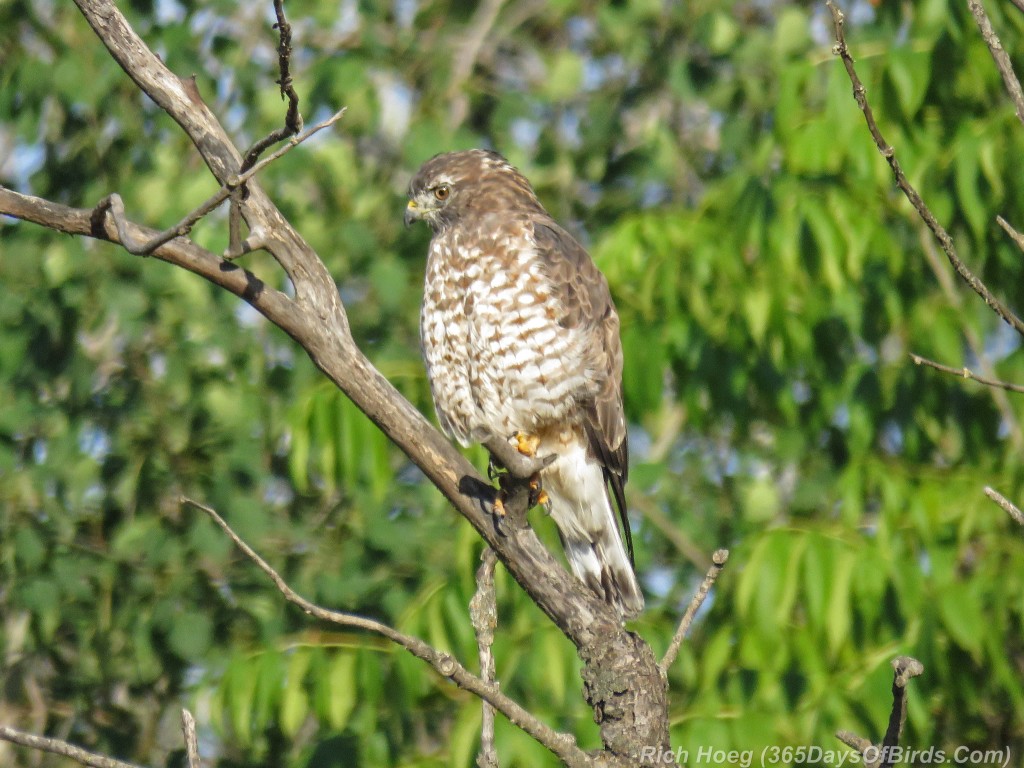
point(412, 213)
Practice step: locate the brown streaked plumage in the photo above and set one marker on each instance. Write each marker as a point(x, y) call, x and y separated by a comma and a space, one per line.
point(521, 337)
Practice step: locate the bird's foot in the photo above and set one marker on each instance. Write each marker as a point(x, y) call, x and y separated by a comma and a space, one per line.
point(537, 493)
point(526, 444)
point(511, 458)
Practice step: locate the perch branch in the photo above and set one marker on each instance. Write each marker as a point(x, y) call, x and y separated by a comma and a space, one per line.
point(1008, 506)
point(58, 747)
point(561, 744)
point(999, 55)
point(948, 247)
point(718, 561)
point(483, 611)
point(885, 754)
point(966, 373)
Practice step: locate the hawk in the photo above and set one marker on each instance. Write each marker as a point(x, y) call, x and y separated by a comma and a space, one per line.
point(521, 343)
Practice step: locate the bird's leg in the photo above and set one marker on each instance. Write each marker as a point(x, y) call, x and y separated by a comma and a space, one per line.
point(509, 463)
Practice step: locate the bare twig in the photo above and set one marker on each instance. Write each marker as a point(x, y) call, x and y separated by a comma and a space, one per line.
point(966, 373)
point(115, 206)
point(974, 341)
point(1000, 56)
point(483, 611)
point(1016, 236)
point(292, 120)
point(1019, 4)
point(1008, 506)
point(860, 95)
point(58, 747)
point(886, 754)
point(292, 125)
point(563, 745)
point(718, 561)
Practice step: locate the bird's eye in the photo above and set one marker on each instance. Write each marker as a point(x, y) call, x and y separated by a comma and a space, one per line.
point(442, 192)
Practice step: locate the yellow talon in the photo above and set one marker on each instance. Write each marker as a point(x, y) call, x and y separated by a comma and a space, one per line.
point(527, 444)
point(542, 498)
point(499, 507)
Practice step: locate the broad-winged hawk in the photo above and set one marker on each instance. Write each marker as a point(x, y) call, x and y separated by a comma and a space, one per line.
point(521, 342)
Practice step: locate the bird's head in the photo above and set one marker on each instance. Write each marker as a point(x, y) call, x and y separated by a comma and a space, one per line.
point(450, 185)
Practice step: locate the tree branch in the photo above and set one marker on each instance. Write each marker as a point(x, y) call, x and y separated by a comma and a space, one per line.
point(292, 118)
point(1002, 60)
point(561, 744)
point(885, 754)
point(966, 373)
point(483, 612)
point(188, 728)
point(975, 343)
point(181, 252)
point(1016, 236)
point(1009, 507)
point(180, 99)
point(63, 748)
point(113, 204)
point(718, 561)
point(860, 95)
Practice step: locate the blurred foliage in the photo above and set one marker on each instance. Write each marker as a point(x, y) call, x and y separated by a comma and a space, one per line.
point(771, 282)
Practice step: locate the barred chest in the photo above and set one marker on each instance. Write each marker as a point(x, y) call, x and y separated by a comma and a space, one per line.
point(497, 358)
